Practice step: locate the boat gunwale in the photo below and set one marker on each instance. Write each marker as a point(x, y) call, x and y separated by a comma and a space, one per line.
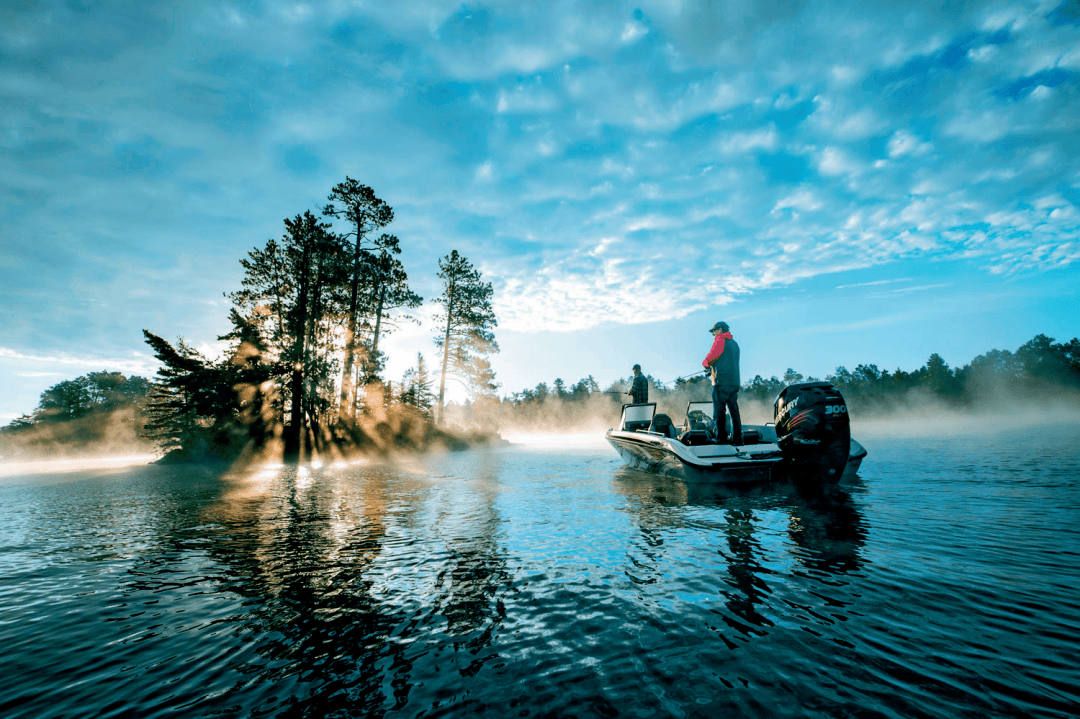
point(736, 461)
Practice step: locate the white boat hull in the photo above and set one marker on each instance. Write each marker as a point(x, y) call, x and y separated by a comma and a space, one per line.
point(711, 463)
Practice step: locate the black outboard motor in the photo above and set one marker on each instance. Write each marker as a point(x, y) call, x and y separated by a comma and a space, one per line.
point(813, 430)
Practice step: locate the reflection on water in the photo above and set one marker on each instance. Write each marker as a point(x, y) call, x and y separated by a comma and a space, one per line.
point(541, 581)
point(764, 534)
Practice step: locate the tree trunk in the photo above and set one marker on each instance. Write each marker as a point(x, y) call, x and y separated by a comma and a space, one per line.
point(295, 442)
point(446, 348)
point(346, 407)
point(378, 322)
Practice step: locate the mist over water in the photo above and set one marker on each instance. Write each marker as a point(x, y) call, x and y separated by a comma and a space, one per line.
point(98, 436)
point(545, 578)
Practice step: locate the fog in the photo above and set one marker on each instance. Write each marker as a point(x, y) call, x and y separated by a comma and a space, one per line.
point(559, 423)
point(97, 435)
point(79, 464)
point(112, 440)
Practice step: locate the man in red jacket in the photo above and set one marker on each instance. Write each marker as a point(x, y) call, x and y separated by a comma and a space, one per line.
point(723, 365)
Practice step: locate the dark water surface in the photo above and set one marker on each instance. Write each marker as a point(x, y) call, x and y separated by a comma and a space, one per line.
point(547, 581)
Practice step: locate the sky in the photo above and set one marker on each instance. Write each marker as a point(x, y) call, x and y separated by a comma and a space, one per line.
point(842, 183)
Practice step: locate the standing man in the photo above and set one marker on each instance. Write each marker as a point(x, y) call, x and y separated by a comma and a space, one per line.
point(723, 365)
point(639, 391)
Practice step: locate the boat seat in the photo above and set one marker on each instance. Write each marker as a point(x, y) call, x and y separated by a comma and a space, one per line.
point(750, 436)
point(694, 437)
point(661, 424)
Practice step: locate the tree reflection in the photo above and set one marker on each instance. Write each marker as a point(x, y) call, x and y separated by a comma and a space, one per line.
point(337, 627)
point(472, 582)
point(304, 560)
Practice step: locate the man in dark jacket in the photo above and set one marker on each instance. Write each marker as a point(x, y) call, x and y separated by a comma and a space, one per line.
point(639, 391)
point(723, 365)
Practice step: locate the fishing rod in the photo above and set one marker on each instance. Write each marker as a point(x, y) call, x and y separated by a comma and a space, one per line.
point(692, 374)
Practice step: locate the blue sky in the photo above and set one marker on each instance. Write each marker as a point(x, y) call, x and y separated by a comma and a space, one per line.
point(841, 184)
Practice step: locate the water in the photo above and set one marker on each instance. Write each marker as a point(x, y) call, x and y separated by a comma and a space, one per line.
point(549, 581)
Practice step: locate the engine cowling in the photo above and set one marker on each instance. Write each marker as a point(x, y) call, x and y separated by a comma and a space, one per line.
point(813, 430)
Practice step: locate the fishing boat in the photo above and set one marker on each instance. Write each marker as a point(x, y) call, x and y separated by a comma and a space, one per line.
point(809, 440)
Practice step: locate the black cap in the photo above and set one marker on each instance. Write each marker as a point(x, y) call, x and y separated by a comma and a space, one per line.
point(637, 367)
point(720, 326)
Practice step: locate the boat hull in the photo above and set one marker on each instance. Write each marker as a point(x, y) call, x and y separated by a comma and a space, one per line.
point(712, 464)
point(670, 458)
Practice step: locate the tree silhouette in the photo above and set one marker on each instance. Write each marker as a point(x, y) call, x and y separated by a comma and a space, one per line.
point(389, 291)
point(293, 291)
point(416, 387)
point(366, 213)
point(465, 321)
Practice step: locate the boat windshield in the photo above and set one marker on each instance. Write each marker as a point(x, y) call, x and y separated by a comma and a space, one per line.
point(637, 416)
point(703, 407)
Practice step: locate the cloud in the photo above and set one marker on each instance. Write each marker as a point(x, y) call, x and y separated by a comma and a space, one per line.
point(904, 143)
point(801, 200)
point(586, 289)
point(1041, 92)
point(985, 53)
point(859, 125)
point(919, 288)
point(835, 161)
point(531, 99)
point(874, 283)
point(135, 364)
point(986, 126)
point(596, 156)
point(832, 117)
point(632, 32)
point(741, 142)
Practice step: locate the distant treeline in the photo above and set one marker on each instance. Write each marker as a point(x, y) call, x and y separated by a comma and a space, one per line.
point(198, 403)
point(90, 396)
point(100, 411)
point(1039, 368)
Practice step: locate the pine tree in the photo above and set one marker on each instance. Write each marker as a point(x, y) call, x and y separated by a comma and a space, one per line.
point(390, 291)
point(190, 398)
point(416, 387)
point(366, 213)
point(466, 320)
point(293, 291)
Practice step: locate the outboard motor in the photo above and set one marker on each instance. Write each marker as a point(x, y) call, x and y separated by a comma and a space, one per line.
point(813, 430)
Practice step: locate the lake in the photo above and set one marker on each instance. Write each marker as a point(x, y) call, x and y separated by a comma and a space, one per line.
point(545, 579)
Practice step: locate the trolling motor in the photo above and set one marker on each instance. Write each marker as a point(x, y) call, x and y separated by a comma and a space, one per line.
point(813, 430)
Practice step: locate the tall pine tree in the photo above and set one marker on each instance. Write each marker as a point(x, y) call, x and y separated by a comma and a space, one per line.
point(293, 290)
point(465, 326)
point(366, 213)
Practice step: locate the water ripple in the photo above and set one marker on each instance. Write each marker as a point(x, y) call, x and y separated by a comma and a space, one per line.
point(522, 582)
